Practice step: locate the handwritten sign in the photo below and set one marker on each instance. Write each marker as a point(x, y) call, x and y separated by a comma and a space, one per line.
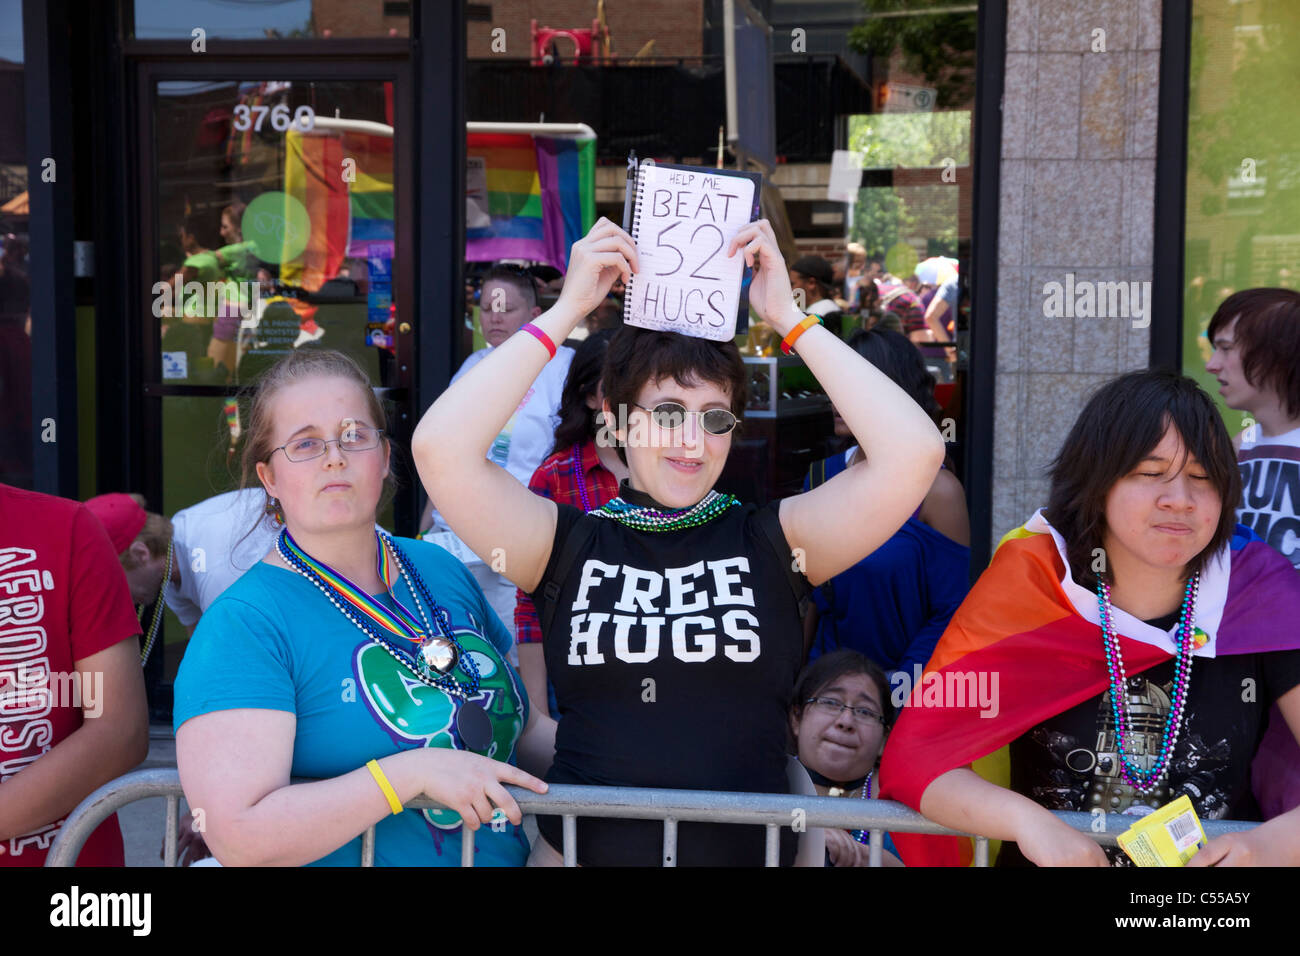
point(683, 222)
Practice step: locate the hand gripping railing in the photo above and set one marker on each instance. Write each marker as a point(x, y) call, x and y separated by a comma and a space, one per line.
point(570, 802)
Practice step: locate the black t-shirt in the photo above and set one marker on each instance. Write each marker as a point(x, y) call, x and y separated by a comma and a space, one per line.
point(673, 656)
point(1069, 762)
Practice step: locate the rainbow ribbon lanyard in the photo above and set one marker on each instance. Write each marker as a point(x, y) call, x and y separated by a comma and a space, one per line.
point(400, 623)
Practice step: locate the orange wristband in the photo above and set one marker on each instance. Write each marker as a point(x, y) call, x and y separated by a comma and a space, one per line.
point(787, 343)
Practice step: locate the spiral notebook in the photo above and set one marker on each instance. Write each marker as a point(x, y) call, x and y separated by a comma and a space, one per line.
point(683, 218)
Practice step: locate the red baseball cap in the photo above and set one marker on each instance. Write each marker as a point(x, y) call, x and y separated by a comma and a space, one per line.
point(121, 517)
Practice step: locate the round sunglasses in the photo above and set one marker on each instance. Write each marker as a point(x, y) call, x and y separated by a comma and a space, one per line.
point(668, 415)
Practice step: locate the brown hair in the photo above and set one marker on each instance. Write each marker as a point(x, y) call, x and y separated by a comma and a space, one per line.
point(1268, 336)
point(299, 366)
point(1123, 421)
point(156, 535)
point(637, 356)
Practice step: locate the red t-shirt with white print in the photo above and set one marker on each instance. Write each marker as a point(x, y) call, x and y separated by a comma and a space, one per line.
point(63, 598)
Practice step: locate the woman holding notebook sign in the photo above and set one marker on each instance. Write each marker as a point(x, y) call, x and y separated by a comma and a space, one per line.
point(671, 616)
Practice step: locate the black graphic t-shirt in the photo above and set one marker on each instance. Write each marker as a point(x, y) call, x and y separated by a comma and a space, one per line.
point(673, 656)
point(1071, 763)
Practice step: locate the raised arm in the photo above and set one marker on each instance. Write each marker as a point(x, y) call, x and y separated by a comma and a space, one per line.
point(482, 502)
point(234, 766)
point(840, 522)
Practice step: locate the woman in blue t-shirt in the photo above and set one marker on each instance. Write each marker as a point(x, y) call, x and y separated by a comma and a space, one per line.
point(371, 663)
point(894, 604)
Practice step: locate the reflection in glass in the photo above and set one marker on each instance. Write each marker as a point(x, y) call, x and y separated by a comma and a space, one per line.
point(1243, 166)
point(269, 19)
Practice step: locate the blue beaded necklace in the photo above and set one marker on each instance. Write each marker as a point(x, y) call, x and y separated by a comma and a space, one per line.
point(1145, 780)
point(653, 519)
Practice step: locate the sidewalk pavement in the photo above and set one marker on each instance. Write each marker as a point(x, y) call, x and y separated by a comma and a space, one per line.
point(142, 821)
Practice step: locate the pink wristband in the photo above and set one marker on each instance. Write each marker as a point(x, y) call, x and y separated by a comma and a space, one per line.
point(541, 336)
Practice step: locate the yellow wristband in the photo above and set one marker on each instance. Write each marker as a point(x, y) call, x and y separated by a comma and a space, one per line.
point(384, 785)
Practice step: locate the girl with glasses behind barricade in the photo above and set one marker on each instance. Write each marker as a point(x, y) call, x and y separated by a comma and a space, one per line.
point(839, 716)
point(370, 662)
point(1127, 643)
point(671, 616)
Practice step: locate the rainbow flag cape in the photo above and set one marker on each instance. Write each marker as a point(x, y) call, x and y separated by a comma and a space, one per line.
point(1029, 623)
point(540, 196)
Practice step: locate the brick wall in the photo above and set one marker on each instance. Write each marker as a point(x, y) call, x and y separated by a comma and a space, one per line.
point(356, 18)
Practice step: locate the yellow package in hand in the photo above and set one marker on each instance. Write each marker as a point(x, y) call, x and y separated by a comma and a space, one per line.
point(1169, 836)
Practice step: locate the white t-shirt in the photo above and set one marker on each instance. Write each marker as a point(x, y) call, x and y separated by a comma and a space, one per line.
point(526, 439)
point(212, 550)
point(1270, 489)
point(822, 308)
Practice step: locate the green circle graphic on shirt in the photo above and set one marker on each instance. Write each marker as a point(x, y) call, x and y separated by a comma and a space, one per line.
point(413, 710)
point(901, 260)
point(278, 225)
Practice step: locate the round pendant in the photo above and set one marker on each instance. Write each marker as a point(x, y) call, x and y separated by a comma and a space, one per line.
point(438, 655)
point(474, 726)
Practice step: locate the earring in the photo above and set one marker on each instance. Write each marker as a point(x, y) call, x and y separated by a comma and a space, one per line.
point(274, 510)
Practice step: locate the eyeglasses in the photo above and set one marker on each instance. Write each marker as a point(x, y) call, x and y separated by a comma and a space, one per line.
point(354, 438)
point(833, 708)
point(715, 421)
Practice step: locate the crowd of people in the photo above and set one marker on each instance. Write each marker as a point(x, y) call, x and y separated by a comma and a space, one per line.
point(584, 607)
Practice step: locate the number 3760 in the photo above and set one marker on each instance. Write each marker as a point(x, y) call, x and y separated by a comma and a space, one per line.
point(252, 117)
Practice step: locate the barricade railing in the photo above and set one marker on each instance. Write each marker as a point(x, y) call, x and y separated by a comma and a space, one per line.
point(774, 811)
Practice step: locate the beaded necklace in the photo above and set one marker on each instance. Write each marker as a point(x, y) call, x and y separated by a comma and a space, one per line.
point(157, 608)
point(643, 518)
point(1146, 780)
point(863, 836)
point(437, 655)
point(581, 479)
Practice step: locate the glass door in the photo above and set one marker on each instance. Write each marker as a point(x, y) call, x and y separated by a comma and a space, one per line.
point(269, 224)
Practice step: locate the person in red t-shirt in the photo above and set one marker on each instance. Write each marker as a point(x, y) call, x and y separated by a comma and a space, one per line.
point(72, 701)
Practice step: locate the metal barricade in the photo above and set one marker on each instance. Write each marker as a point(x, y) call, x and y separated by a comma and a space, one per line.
point(773, 811)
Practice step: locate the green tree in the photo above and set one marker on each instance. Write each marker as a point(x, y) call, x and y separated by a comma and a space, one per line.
point(938, 46)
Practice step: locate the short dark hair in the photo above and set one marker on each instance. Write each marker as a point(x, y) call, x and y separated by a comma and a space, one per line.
point(895, 355)
point(1121, 424)
point(637, 356)
point(831, 667)
point(577, 422)
point(517, 278)
point(1268, 336)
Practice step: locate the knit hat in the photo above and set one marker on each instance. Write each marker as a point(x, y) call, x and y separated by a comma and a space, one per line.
point(121, 517)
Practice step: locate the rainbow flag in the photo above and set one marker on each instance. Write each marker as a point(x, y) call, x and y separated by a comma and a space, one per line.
point(538, 196)
point(371, 196)
point(1027, 622)
point(313, 166)
point(348, 216)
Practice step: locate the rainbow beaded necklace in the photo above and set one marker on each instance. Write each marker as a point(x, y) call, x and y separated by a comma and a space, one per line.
point(643, 518)
point(374, 619)
point(1146, 780)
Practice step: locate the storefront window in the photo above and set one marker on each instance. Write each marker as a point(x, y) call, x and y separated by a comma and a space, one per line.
point(1243, 165)
point(893, 102)
point(15, 294)
point(270, 19)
